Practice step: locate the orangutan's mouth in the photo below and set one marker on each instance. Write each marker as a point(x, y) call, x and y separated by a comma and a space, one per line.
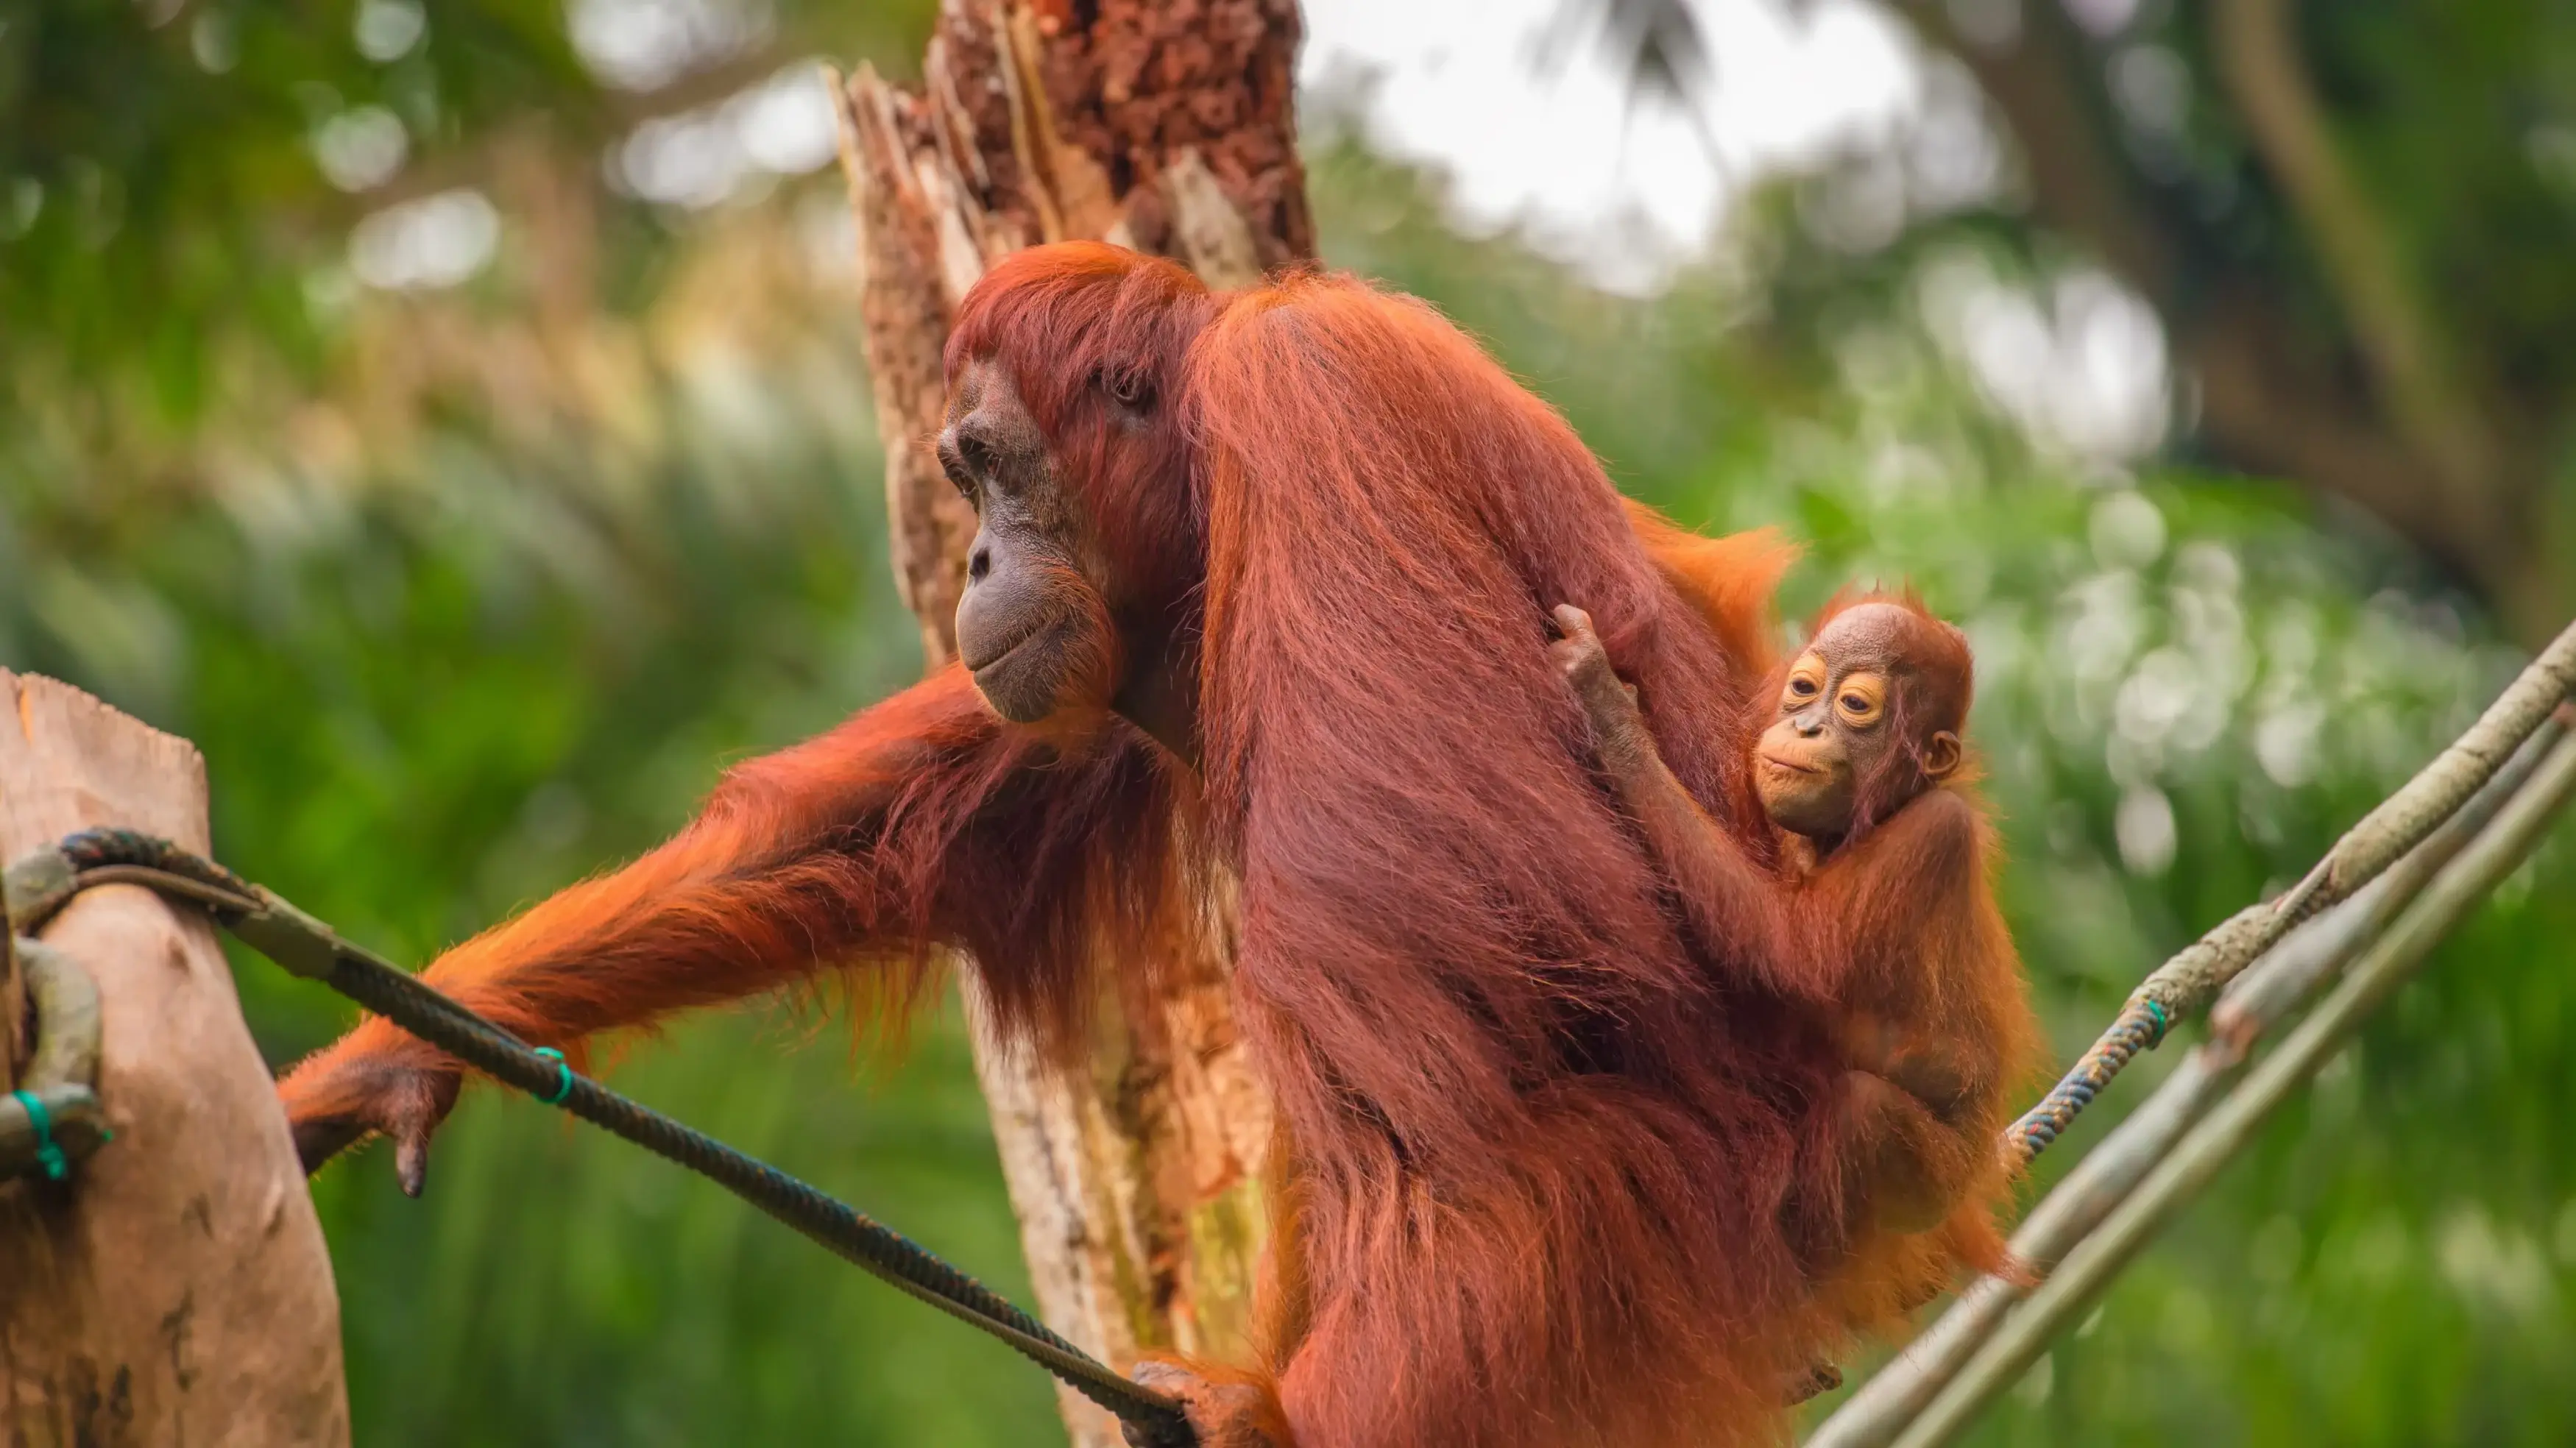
point(977, 666)
point(1002, 655)
point(1791, 765)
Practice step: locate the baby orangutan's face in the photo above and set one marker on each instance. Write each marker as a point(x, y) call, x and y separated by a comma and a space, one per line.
point(1832, 732)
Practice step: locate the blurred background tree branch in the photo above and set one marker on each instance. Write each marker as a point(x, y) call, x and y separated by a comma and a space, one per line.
point(2313, 201)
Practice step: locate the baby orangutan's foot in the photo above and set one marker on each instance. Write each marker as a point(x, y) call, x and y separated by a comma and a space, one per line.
point(1821, 1379)
point(1228, 1408)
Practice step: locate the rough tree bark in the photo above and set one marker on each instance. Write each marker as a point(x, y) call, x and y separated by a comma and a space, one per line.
point(1168, 127)
point(176, 1288)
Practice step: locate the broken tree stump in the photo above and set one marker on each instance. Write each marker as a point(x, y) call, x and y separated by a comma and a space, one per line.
point(175, 1288)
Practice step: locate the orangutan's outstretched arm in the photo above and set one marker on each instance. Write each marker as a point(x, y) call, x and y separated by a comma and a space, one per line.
point(800, 860)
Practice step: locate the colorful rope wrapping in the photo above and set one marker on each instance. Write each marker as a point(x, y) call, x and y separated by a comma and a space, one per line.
point(2141, 1026)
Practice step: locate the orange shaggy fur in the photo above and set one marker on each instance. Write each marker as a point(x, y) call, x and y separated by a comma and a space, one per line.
point(1546, 1149)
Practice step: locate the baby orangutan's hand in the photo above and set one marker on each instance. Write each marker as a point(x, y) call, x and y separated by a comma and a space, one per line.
point(1609, 701)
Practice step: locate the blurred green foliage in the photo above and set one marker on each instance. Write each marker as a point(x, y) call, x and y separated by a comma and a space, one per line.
point(2362, 269)
point(479, 596)
point(178, 177)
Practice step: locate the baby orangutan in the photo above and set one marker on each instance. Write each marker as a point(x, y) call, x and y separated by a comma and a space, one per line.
point(1880, 918)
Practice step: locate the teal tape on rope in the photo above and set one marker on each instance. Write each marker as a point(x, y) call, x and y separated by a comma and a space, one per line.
point(563, 1076)
point(49, 1152)
point(2157, 1010)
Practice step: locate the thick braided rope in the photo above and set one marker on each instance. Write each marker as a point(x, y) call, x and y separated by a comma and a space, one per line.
point(100, 849)
point(2140, 1027)
point(44, 883)
point(2188, 983)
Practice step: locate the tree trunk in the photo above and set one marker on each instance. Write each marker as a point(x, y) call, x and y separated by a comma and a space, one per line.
point(13, 1010)
point(1167, 127)
point(175, 1288)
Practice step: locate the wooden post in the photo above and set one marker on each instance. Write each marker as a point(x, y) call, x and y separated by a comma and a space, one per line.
point(13, 1011)
point(176, 1289)
point(1168, 128)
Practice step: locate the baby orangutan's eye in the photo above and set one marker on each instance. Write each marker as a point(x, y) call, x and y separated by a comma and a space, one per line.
point(1806, 680)
point(1860, 700)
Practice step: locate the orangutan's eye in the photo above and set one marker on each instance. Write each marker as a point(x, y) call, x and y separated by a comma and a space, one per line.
point(1130, 388)
point(1806, 681)
point(1861, 698)
point(961, 454)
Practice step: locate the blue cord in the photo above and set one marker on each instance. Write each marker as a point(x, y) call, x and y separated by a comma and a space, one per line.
point(49, 1153)
point(563, 1076)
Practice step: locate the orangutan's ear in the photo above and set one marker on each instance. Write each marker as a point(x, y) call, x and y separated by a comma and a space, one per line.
point(1941, 756)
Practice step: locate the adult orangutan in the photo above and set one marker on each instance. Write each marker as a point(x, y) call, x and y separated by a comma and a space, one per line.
point(1890, 931)
point(1276, 565)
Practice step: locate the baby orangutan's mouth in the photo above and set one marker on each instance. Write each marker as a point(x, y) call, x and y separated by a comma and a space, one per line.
point(1791, 765)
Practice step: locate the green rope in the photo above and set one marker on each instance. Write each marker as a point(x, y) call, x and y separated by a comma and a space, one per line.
point(303, 946)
